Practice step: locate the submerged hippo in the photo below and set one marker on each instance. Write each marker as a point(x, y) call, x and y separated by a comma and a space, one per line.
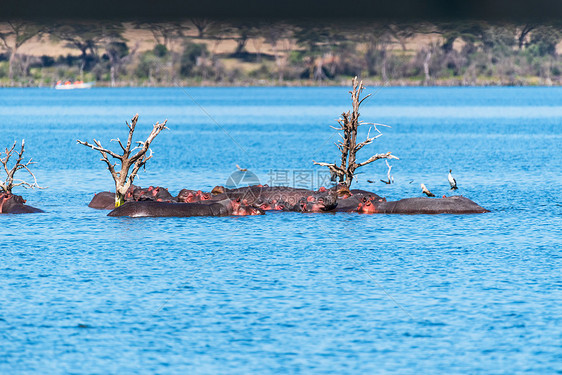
point(158, 194)
point(193, 196)
point(447, 205)
point(105, 200)
point(225, 207)
point(283, 198)
point(15, 204)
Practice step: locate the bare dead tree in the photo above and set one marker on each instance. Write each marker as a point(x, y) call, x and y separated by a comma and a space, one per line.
point(123, 180)
point(11, 182)
point(349, 123)
point(389, 179)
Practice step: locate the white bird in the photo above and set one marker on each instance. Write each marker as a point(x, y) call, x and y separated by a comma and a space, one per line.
point(452, 181)
point(426, 192)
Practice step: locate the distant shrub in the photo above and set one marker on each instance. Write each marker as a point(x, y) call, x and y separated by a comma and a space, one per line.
point(191, 53)
point(147, 66)
point(160, 50)
point(47, 61)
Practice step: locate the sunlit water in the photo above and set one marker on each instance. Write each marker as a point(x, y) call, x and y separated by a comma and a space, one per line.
point(287, 293)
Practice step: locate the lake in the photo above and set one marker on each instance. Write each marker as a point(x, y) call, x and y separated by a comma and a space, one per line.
point(287, 292)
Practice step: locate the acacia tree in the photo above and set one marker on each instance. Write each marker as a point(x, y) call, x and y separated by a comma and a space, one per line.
point(202, 25)
point(279, 37)
point(11, 182)
point(124, 180)
point(349, 123)
point(16, 35)
point(164, 33)
point(87, 37)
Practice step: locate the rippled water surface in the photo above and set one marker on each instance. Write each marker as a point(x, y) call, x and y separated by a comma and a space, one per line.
point(287, 293)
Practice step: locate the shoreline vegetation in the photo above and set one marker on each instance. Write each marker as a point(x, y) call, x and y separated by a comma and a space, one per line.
point(201, 52)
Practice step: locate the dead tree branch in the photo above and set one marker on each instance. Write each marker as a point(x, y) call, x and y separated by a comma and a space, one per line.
point(11, 182)
point(129, 159)
point(348, 146)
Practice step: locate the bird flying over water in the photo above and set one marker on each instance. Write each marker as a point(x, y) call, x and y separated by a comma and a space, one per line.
point(452, 181)
point(426, 192)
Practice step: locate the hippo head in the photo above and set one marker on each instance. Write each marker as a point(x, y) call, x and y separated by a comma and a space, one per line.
point(3, 198)
point(140, 194)
point(324, 203)
point(218, 190)
point(343, 191)
point(244, 210)
point(186, 196)
point(272, 205)
point(7, 196)
point(129, 195)
point(241, 209)
point(203, 196)
point(367, 207)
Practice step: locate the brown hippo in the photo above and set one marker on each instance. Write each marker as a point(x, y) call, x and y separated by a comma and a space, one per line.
point(15, 204)
point(281, 197)
point(193, 196)
point(225, 207)
point(104, 200)
point(158, 194)
point(448, 205)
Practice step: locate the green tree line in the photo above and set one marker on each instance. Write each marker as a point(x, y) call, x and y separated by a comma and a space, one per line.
point(460, 53)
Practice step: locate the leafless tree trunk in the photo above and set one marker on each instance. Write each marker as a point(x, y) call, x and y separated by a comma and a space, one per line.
point(523, 34)
point(318, 74)
point(348, 146)
point(11, 182)
point(123, 180)
point(426, 65)
point(383, 67)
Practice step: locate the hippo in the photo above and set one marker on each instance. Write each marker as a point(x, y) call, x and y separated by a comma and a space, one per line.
point(192, 196)
point(225, 207)
point(447, 205)
point(321, 203)
point(104, 200)
point(158, 194)
point(15, 204)
point(285, 198)
point(367, 194)
point(358, 198)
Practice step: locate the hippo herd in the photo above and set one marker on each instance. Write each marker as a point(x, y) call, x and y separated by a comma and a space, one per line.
point(257, 199)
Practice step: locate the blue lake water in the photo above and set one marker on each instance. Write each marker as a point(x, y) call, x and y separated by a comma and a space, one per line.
point(287, 293)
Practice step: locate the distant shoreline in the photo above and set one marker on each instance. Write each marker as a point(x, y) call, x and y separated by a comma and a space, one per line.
point(342, 83)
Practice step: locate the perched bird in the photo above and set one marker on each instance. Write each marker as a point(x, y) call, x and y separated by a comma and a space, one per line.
point(452, 181)
point(426, 192)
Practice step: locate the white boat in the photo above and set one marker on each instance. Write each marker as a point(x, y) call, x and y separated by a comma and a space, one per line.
point(73, 85)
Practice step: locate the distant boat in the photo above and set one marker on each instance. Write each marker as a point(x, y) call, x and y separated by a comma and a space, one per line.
point(73, 85)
